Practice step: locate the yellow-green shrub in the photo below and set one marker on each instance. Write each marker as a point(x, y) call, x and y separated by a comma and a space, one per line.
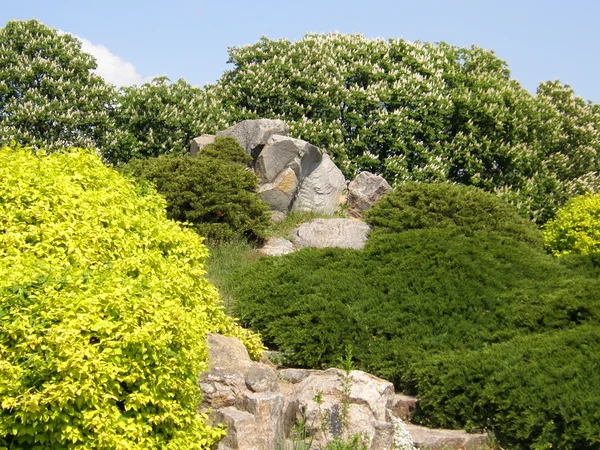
point(576, 227)
point(103, 311)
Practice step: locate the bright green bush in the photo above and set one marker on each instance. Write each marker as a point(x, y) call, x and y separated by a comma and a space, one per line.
point(538, 391)
point(213, 191)
point(103, 311)
point(443, 205)
point(576, 227)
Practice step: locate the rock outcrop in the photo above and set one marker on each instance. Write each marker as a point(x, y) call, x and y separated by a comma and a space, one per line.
point(364, 191)
point(323, 233)
point(254, 134)
point(293, 174)
point(260, 406)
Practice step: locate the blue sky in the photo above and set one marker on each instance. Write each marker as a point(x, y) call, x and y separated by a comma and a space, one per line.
point(135, 40)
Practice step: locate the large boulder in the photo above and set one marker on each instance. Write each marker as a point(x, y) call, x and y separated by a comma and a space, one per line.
point(368, 403)
point(324, 233)
point(364, 191)
point(280, 193)
point(254, 134)
point(282, 152)
point(322, 189)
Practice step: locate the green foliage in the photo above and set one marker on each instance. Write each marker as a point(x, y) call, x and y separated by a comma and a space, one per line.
point(156, 118)
point(576, 227)
point(215, 195)
point(227, 149)
point(103, 311)
point(538, 391)
point(448, 285)
point(422, 112)
point(442, 205)
point(49, 97)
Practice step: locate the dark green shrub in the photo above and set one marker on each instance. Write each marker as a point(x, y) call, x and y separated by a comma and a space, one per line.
point(443, 205)
point(411, 296)
point(227, 149)
point(216, 195)
point(537, 391)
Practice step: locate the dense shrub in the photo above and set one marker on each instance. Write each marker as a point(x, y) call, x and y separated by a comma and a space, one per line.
point(538, 391)
point(103, 311)
point(443, 205)
point(415, 304)
point(213, 191)
point(423, 112)
point(49, 96)
point(576, 227)
point(408, 294)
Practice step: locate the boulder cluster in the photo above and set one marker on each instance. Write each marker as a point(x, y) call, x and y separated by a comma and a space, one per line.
point(262, 406)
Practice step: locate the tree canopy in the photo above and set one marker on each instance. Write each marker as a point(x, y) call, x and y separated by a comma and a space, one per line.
point(49, 96)
point(422, 112)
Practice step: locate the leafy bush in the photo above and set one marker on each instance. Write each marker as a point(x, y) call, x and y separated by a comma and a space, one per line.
point(422, 112)
point(103, 312)
point(538, 391)
point(49, 96)
point(442, 205)
point(217, 195)
point(576, 227)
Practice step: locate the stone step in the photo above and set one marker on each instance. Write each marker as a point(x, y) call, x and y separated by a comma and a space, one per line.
point(438, 439)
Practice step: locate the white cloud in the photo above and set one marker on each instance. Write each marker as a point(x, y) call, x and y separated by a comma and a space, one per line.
point(111, 67)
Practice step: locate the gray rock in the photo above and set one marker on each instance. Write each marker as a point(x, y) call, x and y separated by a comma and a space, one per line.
point(267, 408)
point(433, 439)
point(262, 378)
point(281, 152)
point(279, 194)
point(294, 375)
point(276, 247)
point(227, 353)
point(403, 406)
point(321, 191)
point(323, 233)
point(242, 432)
point(365, 190)
point(200, 142)
point(277, 216)
point(254, 134)
point(369, 400)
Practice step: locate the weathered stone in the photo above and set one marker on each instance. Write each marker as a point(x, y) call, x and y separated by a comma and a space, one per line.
point(281, 152)
point(198, 143)
point(280, 193)
point(227, 353)
point(383, 437)
point(277, 216)
point(369, 397)
point(254, 134)
point(322, 233)
point(403, 406)
point(267, 408)
point(276, 247)
point(294, 375)
point(433, 439)
point(242, 432)
point(365, 190)
point(322, 189)
point(262, 378)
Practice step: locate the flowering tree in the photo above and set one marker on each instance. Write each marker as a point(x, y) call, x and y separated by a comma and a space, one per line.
point(421, 111)
point(49, 96)
point(160, 118)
